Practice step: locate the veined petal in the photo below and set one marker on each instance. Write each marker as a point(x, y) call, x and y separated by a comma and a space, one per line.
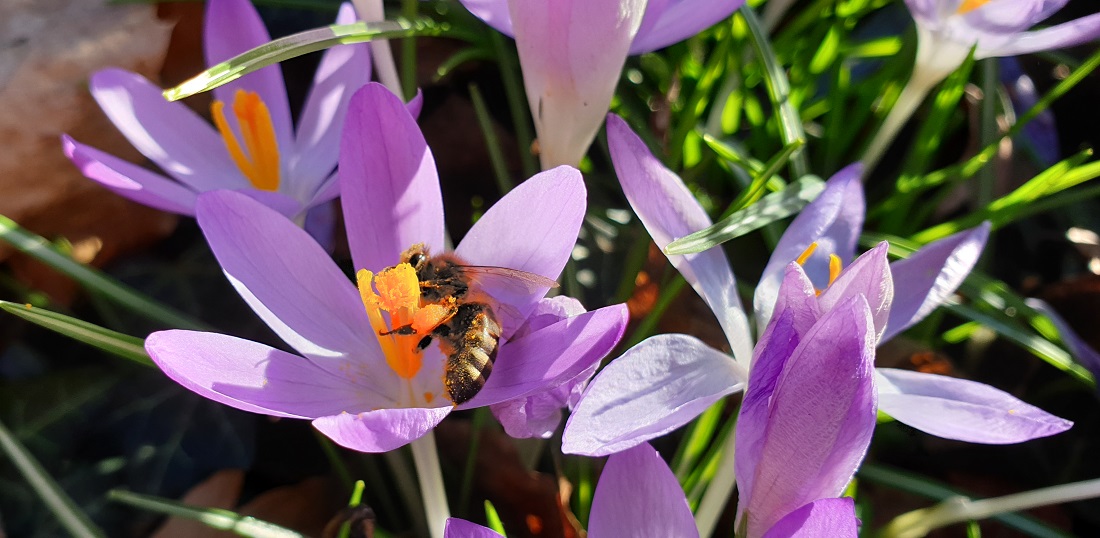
point(1082, 351)
point(572, 53)
point(388, 182)
point(129, 180)
point(927, 278)
point(820, 418)
point(460, 528)
point(1068, 34)
point(834, 517)
point(533, 228)
point(291, 283)
point(869, 276)
point(652, 389)
point(962, 410)
point(230, 28)
point(180, 142)
point(637, 495)
point(679, 20)
point(257, 378)
point(551, 356)
point(668, 210)
point(342, 70)
point(833, 221)
point(382, 430)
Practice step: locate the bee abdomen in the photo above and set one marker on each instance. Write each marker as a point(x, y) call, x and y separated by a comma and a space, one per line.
point(471, 360)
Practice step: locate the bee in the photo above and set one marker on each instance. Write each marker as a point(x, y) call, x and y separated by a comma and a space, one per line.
point(464, 315)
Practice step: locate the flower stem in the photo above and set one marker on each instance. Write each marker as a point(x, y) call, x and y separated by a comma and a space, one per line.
point(960, 509)
point(911, 97)
point(371, 11)
point(718, 492)
point(428, 473)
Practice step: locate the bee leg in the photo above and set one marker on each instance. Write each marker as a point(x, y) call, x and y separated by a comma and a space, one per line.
point(403, 330)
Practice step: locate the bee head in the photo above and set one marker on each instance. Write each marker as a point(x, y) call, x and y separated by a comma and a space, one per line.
point(416, 256)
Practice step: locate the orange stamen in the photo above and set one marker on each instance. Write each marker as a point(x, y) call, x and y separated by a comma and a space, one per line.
point(801, 260)
point(398, 293)
point(258, 159)
point(834, 268)
point(970, 5)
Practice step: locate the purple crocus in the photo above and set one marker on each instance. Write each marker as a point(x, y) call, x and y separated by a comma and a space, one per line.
point(365, 390)
point(808, 414)
point(667, 380)
point(253, 146)
point(637, 495)
point(572, 53)
point(948, 29)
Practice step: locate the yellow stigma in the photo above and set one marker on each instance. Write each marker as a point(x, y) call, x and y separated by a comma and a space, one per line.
point(801, 260)
point(398, 293)
point(834, 268)
point(259, 159)
point(970, 5)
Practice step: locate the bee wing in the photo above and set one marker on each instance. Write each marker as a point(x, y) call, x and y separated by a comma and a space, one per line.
point(507, 287)
point(510, 280)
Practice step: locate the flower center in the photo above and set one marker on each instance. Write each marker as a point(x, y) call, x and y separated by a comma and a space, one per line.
point(398, 294)
point(970, 5)
point(835, 265)
point(259, 158)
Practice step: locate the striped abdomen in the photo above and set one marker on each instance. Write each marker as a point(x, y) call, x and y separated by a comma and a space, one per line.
point(471, 348)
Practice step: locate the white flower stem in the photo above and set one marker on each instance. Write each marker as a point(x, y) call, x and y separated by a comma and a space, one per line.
point(371, 11)
point(960, 509)
point(774, 11)
point(430, 477)
point(911, 97)
point(718, 491)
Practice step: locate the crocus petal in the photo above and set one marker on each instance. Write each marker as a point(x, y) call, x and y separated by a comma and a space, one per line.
point(342, 70)
point(820, 418)
point(835, 518)
point(129, 180)
point(572, 53)
point(180, 142)
point(833, 221)
point(962, 410)
point(638, 495)
point(1082, 351)
point(388, 182)
point(679, 20)
point(460, 528)
point(923, 10)
point(1068, 34)
point(668, 210)
point(869, 276)
point(533, 228)
point(551, 356)
point(382, 430)
point(232, 27)
point(495, 13)
point(1005, 16)
point(257, 378)
point(927, 278)
point(539, 414)
point(652, 389)
point(289, 281)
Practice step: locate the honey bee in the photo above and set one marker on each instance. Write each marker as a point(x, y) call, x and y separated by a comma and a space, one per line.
point(463, 314)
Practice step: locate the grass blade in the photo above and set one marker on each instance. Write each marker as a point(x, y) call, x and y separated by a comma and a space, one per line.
point(215, 518)
point(72, 518)
point(116, 343)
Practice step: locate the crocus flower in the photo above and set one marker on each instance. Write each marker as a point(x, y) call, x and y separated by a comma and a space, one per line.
point(667, 380)
point(1081, 350)
point(637, 495)
point(948, 29)
point(252, 147)
point(573, 51)
point(367, 391)
point(808, 414)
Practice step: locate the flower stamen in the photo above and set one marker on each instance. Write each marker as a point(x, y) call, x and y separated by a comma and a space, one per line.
point(834, 268)
point(398, 294)
point(258, 160)
point(801, 260)
point(970, 5)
